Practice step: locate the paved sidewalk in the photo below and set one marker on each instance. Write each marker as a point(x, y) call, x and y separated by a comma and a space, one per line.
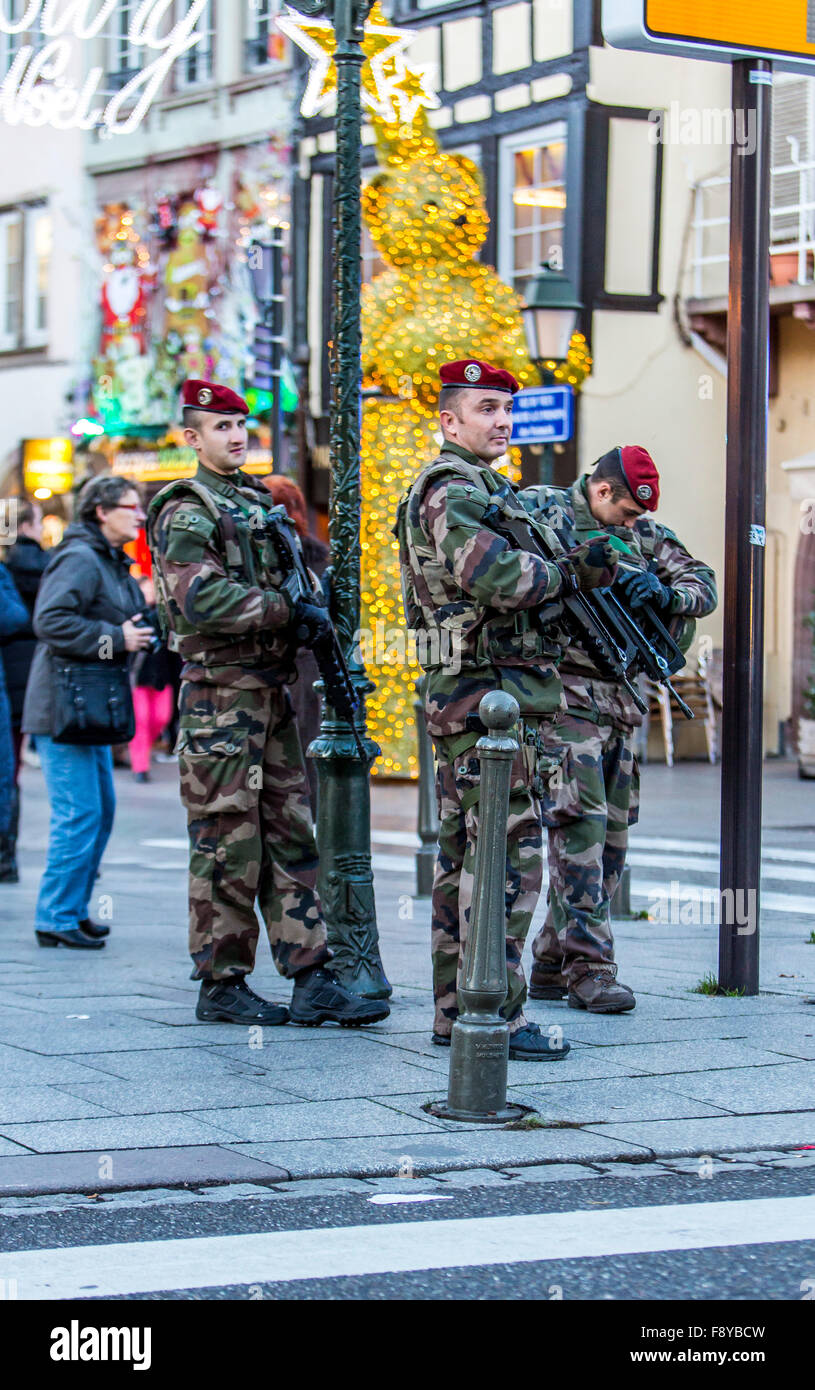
point(110, 1083)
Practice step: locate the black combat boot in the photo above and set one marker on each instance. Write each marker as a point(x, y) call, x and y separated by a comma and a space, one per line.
point(93, 930)
point(232, 1001)
point(547, 981)
point(320, 998)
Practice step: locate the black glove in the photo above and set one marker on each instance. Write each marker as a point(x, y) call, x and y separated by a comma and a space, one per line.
point(311, 624)
point(641, 587)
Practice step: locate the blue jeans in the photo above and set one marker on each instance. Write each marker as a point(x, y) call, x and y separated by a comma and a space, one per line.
point(83, 804)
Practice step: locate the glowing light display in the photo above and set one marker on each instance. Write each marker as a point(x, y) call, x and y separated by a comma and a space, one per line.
point(40, 86)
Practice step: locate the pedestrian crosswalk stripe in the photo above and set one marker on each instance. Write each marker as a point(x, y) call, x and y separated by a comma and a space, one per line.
point(660, 890)
point(788, 873)
point(107, 1271)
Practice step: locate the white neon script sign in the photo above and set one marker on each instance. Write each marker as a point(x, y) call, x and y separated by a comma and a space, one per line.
point(37, 90)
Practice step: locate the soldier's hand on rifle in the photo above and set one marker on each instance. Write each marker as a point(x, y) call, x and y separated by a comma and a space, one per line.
point(641, 587)
point(310, 624)
point(593, 564)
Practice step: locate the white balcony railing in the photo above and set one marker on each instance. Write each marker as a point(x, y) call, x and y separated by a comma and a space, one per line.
point(792, 229)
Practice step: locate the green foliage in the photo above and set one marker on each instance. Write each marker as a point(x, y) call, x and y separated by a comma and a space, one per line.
point(811, 939)
point(710, 985)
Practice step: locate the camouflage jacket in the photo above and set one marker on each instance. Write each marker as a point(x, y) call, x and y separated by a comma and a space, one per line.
point(567, 512)
point(218, 580)
point(470, 599)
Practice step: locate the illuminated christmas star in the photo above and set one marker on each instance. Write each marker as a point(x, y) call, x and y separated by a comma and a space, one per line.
point(411, 88)
point(381, 45)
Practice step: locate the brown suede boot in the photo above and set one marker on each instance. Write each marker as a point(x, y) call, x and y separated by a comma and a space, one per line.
point(599, 992)
point(547, 982)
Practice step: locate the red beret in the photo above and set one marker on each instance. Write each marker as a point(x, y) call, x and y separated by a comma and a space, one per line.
point(640, 472)
point(471, 372)
point(216, 400)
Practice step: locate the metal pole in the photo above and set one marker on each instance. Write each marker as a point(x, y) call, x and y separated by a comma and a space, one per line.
point(428, 811)
point(277, 345)
point(479, 1051)
point(748, 358)
point(344, 819)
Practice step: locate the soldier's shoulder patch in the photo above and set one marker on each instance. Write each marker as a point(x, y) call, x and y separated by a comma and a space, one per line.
point(192, 521)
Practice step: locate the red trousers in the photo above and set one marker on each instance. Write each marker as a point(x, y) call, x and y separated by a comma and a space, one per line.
point(154, 710)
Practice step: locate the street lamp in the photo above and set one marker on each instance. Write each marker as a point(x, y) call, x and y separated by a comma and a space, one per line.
point(344, 812)
point(266, 274)
point(550, 318)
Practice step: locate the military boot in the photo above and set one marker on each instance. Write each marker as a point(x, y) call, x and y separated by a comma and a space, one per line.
point(529, 1044)
point(320, 998)
point(599, 992)
point(232, 1001)
point(547, 981)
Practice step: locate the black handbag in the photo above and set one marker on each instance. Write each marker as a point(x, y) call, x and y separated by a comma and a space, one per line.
point(93, 704)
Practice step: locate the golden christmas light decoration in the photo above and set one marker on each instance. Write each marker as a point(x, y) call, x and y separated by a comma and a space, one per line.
point(435, 303)
point(382, 45)
point(578, 364)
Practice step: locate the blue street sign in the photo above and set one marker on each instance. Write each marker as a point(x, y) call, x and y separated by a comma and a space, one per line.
point(543, 415)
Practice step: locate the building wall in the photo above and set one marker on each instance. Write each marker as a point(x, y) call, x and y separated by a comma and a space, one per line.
point(41, 164)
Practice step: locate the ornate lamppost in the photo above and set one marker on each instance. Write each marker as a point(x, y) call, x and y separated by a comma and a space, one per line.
point(344, 816)
point(550, 315)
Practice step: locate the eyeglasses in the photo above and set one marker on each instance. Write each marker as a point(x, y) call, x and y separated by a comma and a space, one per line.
point(131, 507)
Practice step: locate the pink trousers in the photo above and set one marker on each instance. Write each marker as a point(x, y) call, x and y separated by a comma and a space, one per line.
point(154, 710)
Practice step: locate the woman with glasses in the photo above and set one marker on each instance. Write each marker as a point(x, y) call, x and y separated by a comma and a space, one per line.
point(87, 621)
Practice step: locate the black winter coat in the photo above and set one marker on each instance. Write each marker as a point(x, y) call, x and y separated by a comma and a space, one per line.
point(86, 595)
point(26, 562)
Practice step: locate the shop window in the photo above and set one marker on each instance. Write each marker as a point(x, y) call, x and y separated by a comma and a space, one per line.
point(25, 264)
point(533, 203)
point(197, 66)
point(264, 42)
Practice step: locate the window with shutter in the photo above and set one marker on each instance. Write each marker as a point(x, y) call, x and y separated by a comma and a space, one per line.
point(792, 192)
point(11, 279)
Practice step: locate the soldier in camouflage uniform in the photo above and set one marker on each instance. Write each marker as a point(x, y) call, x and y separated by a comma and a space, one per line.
point(243, 779)
point(574, 951)
point(479, 611)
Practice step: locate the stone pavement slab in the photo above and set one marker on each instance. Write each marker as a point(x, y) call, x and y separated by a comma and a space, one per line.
point(590, 1102)
point(441, 1152)
point(21, 1068)
point(752, 1090)
point(7, 1148)
point(181, 1064)
point(732, 1134)
point(121, 1132)
point(151, 1096)
point(46, 1103)
point(356, 1119)
point(657, 1059)
point(376, 1076)
point(135, 1168)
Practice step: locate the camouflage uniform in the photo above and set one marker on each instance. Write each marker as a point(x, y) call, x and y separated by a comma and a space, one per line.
point(468, 598)
point(587, 852)
point(243, 780)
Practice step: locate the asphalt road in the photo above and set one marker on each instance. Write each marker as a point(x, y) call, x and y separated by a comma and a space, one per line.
point(747, 1236)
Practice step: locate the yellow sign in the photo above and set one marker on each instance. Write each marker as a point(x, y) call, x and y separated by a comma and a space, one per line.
point(772, 26)
point(48, 467)
point(717, 31)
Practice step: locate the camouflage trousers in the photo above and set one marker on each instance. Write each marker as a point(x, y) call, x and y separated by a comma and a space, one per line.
point(244, 786)
point(587, 851)
point(537, 790)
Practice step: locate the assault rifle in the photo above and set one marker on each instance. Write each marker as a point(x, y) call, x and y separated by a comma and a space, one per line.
point(620, 645)
point(339, 691)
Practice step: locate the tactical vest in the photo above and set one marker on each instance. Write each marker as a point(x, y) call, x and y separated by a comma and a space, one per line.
point(249, 558)
point(484, 637)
